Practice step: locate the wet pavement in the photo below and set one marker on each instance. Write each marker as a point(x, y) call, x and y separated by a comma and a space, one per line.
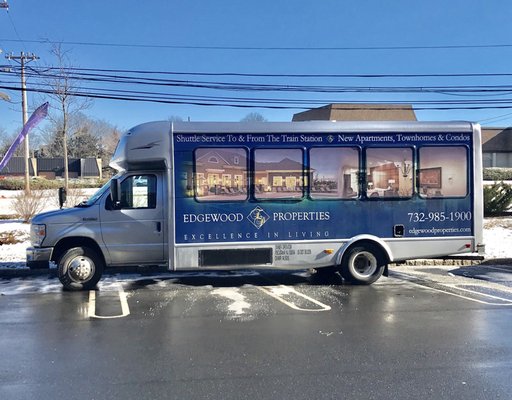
point(425, 332)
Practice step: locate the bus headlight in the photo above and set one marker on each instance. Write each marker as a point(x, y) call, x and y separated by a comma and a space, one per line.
point(37, 234)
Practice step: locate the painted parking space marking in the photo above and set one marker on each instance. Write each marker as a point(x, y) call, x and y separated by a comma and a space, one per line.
point(125, 309)
point(504, 269)
point(504, 300)
point(479, 293)
point(292, 298)
point(469, 295)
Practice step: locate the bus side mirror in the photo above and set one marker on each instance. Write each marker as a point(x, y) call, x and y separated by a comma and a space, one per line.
point(115, 192)
point(63, 195)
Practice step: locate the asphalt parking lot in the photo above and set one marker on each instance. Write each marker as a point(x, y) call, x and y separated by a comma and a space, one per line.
point(425, 332)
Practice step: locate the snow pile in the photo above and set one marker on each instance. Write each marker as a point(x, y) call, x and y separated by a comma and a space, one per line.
point(497, 232)
point(497, 239)
point(13, 255)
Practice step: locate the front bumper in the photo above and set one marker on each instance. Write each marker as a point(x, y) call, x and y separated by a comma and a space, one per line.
point(39, 257)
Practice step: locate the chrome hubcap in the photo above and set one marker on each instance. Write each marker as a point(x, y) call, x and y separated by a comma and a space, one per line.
point(364, 264)
point(80, 269)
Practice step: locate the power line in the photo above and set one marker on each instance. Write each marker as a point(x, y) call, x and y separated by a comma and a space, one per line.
point(263, 75)
point(98, 78)
point(502, 117)
point(505, 104)
point(151, 94)
point(265, 48)
point(47, 73)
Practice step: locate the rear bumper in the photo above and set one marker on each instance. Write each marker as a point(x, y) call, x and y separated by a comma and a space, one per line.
point(480, 248)
point(39, 257)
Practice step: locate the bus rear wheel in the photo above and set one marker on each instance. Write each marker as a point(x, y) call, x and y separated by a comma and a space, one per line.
point(80, 268)
point(363, 264)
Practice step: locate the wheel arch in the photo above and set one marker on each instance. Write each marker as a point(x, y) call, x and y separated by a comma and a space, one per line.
point(362, 240)
point(78, 241)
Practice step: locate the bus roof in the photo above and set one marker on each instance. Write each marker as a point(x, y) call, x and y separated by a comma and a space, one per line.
point(320, 126)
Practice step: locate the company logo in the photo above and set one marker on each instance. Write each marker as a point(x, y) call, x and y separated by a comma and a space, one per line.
point(258, 217)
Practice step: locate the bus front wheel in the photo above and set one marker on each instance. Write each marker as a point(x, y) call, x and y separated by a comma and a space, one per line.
point(363, 264)
point(80, 268)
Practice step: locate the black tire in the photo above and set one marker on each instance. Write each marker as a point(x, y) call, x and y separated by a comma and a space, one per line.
point(80, 268)
point(363, 264)
point(38, 265)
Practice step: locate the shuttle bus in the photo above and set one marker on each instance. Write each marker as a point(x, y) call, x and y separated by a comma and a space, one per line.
point(347, 197)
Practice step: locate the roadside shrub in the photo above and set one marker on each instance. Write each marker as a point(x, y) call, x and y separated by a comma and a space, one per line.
point(12, 184)
point(12, 237)
point(39, 183)
point(497, 198)
point(26, 206)
point(497, 174)
point(75, 196)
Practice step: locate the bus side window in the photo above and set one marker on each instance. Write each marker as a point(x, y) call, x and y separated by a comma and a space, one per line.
point(220, 174)
point(278, 174)
point(443, 171)
point(389, 172)
point(334, 173)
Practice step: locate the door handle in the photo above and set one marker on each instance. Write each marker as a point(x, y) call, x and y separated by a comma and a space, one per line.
point(159, 226)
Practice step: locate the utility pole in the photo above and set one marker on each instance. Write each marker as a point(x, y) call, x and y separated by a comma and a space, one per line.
point(23, 59)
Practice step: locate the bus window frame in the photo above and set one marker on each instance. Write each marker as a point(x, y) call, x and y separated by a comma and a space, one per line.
point(303, 174)
point(413, 174)
point(469, 167)
point(358, 196)
point(221, 199)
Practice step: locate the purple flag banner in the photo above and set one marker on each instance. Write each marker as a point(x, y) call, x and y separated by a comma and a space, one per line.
point(37, 116)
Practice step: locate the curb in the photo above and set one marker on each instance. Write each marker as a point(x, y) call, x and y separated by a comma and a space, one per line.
point(457, 262)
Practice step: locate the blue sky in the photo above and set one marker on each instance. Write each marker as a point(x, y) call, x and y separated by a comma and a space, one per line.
point(365, 29)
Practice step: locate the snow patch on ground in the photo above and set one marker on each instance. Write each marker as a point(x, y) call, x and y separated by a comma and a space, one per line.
point(497, 237)
point(238, 303)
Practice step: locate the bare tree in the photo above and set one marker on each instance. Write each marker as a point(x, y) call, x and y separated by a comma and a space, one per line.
point(253, 117)
point(89, 137)
point(63, 87)
point(108, 136)
point(175, 118)
point(5, 142)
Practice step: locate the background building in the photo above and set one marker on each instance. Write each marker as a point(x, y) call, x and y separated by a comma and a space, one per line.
point(497, 147)
point(358, 112)
point(52, 168)
point(496, 142)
